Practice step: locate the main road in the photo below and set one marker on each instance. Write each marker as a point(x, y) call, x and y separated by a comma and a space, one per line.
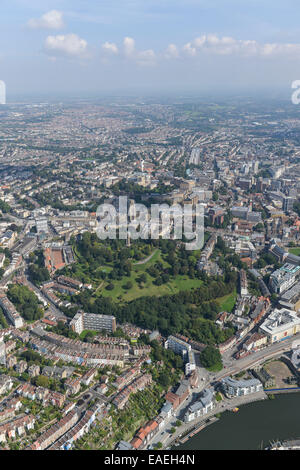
point(52, 307)
point(256, 358)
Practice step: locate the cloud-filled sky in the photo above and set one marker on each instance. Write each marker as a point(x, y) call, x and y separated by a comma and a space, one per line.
point(57, 46)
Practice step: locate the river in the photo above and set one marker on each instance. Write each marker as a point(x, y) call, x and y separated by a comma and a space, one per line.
point(253, 427)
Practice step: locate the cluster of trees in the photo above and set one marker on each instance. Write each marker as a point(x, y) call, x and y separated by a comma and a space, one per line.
point(266, 259)
point(188, 312)
point(25, 302)
point(48, 382)
point(89, 248)
point(3, 321)
point(93, 254)
point(62, 329)
point(221, 248)
point(37, 271)
point(24, 202)
point(180, 262)
point(211, 358)
point(253, 285)
point(227, 257)
point(38, 274)
point(48, 199)
point(4, 207)
point(33, 357)
point(136, 191)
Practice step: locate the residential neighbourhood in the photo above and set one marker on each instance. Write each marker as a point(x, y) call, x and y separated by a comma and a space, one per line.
point(149, 226)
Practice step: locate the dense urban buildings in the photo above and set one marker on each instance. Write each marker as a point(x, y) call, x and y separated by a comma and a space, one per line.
point(97, 332)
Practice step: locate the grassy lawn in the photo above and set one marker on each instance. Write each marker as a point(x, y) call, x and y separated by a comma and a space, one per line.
point(156, 257)
point(227, 302)
point(180, 283)
point(175, 285)
point(295, 250)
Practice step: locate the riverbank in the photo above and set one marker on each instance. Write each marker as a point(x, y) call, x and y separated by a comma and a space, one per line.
point(227, 404)
point(197, 429)
point(253, 427)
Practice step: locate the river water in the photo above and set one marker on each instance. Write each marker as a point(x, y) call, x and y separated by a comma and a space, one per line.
point(252, 427)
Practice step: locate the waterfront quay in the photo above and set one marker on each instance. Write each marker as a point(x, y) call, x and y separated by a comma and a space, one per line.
point(261, 425)
point(183, 433)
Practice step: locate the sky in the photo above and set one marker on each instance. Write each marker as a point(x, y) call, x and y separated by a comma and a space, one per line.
point(136, 46)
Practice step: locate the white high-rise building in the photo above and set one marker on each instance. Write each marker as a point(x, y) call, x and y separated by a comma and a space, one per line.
point(2, 92)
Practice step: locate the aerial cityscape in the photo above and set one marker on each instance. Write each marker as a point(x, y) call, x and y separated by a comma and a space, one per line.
point(116, 334)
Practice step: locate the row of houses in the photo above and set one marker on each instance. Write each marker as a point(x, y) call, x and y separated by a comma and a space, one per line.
point(10, 311)
point(81, 427)
point(41, 394)
point(6, 384)
point(91, 355)
point(136, 385)
point(16, 427)
point(73, 385)
point(127, 376)
point(146, 432)
point(56, 431)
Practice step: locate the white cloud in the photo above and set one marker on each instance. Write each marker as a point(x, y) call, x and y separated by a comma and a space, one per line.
point(281, 49)
point(212, 44)
point(172, 52)
point(110, 48)
point(143, 58)
point(189, 49)
point(51, 20)
point(146, 58)
point(207, 44)
point(69, 45)
point(129, 47)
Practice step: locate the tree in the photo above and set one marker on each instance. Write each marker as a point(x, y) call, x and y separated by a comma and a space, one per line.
point(110, 286)
point(38, 274)
point(25, 301)
point(42, 381)
point(143, 278)
point(211, 358)
point(128, 285)
point(164, 380)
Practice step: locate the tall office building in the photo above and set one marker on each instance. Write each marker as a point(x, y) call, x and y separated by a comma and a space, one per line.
point(2, 92)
